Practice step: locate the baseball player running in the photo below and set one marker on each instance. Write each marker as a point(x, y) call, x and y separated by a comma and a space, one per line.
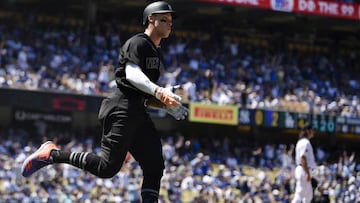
point(125, 123)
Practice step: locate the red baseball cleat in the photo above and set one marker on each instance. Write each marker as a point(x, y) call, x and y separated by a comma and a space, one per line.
point(38, 159)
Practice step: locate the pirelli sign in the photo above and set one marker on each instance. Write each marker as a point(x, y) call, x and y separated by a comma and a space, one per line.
point(210, 113)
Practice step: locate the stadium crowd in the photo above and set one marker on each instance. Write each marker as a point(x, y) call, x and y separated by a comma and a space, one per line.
point(65, 58)
point(198, 169)
point(223, 170)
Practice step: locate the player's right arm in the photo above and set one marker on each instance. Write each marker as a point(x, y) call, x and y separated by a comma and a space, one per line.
point(138, 79)
point(164, 97)
point(304, 164)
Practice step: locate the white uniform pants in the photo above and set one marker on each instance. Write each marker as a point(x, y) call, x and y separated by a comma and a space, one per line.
point(303, 189)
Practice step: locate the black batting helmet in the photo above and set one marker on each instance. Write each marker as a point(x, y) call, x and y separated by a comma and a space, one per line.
point(157, 7)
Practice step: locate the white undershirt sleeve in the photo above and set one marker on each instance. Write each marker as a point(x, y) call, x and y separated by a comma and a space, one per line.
point(137, 78)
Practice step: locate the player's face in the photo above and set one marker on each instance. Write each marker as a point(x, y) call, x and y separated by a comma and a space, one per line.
point(311, 133)
point(163, 24)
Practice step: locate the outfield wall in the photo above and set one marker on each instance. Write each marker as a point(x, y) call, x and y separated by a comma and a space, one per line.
point(73, 111)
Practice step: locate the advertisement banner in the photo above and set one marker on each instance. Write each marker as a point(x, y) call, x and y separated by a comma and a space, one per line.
point(40, 122)
point(311, 7)
point(26, 115)
point(327, 8)
point(49, 100)
point(208, 113)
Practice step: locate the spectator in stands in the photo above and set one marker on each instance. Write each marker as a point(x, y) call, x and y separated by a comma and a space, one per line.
point(75, 185)
point(56, 48)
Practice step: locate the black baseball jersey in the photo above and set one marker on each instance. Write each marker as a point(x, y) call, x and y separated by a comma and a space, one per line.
point(139, 50)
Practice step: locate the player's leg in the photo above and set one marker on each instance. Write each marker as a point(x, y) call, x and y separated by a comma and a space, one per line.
point(308, 192)
point(117, 131)
point(297, 198)
point(147, 150)
point(114, 146)
point(39, 159)
point(299, 178)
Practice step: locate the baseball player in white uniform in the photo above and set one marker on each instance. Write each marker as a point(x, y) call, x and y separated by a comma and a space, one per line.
point(305, 161)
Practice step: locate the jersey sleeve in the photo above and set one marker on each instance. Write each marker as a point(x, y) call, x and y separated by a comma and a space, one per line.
point(304, 148)
point(132, 52)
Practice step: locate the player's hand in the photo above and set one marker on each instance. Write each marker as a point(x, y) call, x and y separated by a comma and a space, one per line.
point(172, 88)
point(166, 96)
point(179, 112)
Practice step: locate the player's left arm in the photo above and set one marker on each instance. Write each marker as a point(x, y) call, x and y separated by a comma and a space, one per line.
point(138, 78)
point(166, 99)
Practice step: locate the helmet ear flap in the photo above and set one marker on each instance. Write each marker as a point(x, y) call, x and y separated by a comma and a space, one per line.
point(146, 20)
